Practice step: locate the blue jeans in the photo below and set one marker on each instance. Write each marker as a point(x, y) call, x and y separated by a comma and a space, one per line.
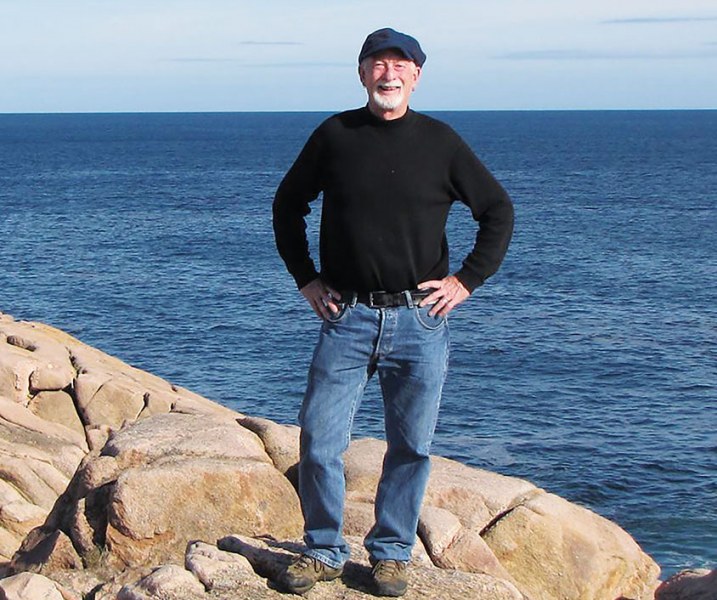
point(409, 350)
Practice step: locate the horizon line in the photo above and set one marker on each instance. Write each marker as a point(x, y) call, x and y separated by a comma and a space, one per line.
point(331, 111)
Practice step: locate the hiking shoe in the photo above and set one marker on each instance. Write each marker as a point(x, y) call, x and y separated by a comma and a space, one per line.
point(389, 577)
point(301, 575)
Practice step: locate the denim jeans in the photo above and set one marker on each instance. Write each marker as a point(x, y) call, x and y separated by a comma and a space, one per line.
point(409, 350)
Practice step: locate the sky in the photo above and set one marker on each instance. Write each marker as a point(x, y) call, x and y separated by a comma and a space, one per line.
point(301, 55)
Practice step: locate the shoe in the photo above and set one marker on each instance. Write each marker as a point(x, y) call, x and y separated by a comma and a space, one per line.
point(389, 577)
point(302, 574)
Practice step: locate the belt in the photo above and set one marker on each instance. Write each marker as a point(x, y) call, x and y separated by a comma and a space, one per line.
point(382, 299)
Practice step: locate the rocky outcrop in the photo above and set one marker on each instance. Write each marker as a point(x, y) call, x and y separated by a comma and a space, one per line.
point(59, 400)
point(116, 484)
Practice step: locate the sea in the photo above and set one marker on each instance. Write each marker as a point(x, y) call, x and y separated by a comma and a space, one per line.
point(587, 364)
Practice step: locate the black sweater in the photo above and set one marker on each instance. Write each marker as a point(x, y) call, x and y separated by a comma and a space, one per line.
point(387, 189)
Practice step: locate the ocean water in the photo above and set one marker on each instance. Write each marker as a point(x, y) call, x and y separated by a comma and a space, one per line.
point(587, 365)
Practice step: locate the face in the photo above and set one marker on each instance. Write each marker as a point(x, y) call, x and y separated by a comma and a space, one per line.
point(389, 79)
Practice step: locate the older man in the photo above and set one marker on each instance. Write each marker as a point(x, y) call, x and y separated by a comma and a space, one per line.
point(388, 176)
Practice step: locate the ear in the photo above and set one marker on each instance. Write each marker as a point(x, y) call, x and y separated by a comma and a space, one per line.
point(362, 75)
point(416, 76)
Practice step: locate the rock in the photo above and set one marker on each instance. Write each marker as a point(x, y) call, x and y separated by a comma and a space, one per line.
point(20, 516)
point(166, 480)
point(17, 414)
point(571, 552)
point(15, 370)
point(45, 375)
point(269, 557)
point(108, 398)
point(219, 570)
point(189, 403)
point(57, 407)
point(358, 515)
point(97, 436)
point(47, 554)
point(31, 363)
point(694, 584)
point(281, 442)
point(115, 478)
point(36, 465)
point(452, 546)
point(169, 582)
point(474, 495)
point(155, 510)
point(555, 549)
point(9, 542)
point(170, 435)
point(29, 586)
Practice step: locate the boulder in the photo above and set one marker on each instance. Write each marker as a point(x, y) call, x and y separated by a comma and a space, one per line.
point(555, 549)
point(169, 582)
point(60, 400)
point(30, 586)
point(219, 570)
point(46, 553)
point(37, 461)
point(452, 546)
point(154, 511)
point(57, 407)
point(281, 442)
point(31, 363)
point(164, 481)
point(24, 419)
point(693, 584)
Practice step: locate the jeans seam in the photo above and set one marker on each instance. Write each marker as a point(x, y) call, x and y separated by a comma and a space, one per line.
point(438, 401)
point(352, 411)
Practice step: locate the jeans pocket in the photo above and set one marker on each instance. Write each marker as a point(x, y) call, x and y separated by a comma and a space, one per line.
point(427, 321)
point(339, 316)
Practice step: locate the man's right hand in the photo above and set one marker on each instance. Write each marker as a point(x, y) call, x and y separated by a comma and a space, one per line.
point(321, 298)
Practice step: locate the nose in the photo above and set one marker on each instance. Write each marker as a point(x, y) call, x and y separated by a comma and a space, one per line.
point(390, 73)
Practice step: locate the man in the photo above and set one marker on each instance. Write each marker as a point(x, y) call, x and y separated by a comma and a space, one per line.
point(388, 176)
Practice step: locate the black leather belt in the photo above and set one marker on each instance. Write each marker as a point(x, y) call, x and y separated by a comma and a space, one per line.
point(385, 299)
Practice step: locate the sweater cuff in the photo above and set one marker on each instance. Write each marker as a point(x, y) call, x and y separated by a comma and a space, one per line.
point(469, 280)
point(305, 277)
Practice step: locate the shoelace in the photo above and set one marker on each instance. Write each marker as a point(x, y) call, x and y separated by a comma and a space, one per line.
point(389, 568)
point(305, 561)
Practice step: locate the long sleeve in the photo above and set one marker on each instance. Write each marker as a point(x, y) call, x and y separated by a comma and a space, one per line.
point(299, 187)
point(491, 207)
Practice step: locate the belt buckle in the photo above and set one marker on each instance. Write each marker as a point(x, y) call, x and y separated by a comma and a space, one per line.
point(371, 302)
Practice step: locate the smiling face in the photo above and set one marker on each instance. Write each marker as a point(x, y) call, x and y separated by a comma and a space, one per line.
point(389, 79)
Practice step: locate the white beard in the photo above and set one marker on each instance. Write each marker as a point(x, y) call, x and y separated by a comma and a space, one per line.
point(387, 102)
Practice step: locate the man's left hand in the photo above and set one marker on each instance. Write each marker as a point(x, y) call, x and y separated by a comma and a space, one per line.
point(448, 293)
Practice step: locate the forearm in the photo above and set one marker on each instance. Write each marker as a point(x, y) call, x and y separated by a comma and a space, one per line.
point(495, 230)
point(291, 242)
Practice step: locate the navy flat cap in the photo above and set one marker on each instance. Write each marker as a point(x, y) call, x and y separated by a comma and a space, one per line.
point(387, 38)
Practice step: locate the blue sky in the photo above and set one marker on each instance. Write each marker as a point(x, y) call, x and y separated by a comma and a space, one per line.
point(239, 55)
